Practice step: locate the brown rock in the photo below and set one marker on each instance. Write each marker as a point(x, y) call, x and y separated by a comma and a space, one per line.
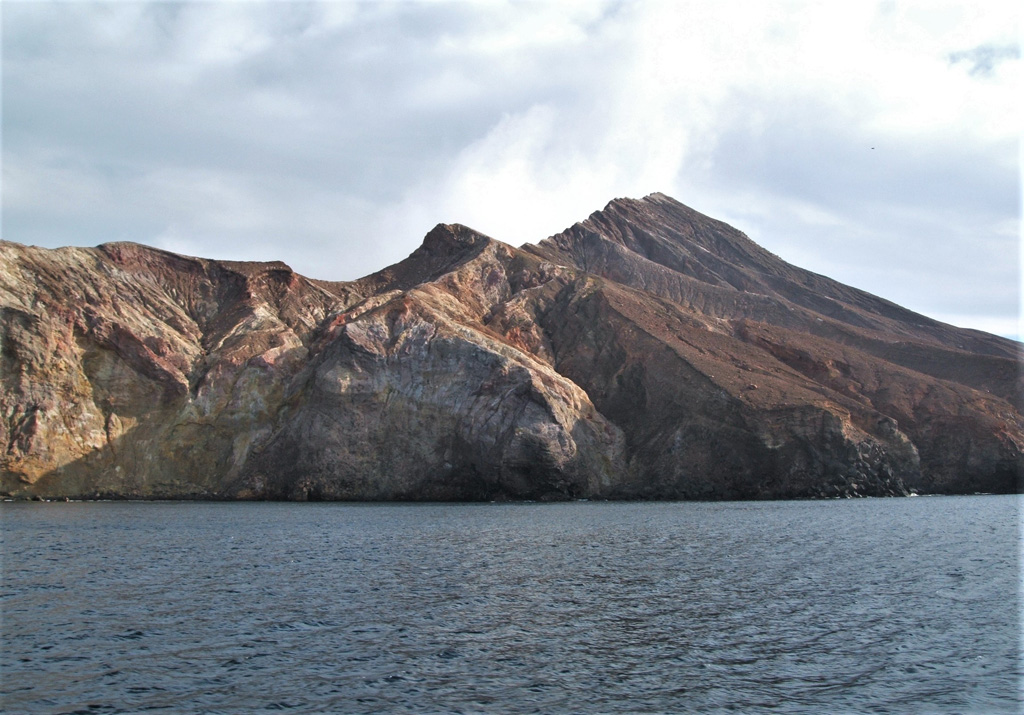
point(647, 352)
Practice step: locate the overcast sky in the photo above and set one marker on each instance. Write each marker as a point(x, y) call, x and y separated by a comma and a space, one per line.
point(875, 142)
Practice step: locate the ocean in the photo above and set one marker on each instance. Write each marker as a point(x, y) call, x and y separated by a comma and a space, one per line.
point(864, 606)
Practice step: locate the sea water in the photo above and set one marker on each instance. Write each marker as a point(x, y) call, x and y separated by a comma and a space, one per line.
point(873, 605)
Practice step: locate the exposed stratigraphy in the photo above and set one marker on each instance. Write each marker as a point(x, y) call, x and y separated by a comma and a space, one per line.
point(647, 352)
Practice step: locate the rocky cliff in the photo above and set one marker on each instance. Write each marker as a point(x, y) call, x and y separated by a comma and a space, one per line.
point(646, 352)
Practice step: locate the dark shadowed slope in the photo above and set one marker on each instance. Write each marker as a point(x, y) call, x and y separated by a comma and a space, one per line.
point(647, 352)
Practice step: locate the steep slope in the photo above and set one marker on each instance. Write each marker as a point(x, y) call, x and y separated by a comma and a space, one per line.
point(781, 341)
point(411, 396)
point(647, 352)
point(133, 372)
point(128, 370)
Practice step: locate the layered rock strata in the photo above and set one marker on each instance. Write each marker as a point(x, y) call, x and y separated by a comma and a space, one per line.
point(646, 352)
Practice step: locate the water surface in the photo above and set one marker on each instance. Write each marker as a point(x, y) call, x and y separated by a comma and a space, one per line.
point(875, 605)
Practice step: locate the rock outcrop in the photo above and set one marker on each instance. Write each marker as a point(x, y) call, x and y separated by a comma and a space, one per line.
point(647, 352)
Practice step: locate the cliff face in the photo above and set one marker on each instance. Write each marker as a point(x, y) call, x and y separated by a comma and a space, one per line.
point(647, 352)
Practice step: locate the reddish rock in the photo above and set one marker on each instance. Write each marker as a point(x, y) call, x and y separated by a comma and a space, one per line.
point(647, 352)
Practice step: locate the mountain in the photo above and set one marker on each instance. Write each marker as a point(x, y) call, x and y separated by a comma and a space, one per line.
point(647, 352)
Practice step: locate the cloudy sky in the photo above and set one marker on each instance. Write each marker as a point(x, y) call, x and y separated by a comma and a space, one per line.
point(875, 142)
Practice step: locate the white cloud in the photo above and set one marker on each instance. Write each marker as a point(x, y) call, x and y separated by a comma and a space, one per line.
point(876, 141)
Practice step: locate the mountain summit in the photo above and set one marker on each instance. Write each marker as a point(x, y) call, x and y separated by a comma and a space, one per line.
point(648, 351)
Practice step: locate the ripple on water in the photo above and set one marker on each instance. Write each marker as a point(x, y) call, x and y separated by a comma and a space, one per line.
point(868, 606)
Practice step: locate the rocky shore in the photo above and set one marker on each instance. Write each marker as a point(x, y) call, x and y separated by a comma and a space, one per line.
point(648, 352)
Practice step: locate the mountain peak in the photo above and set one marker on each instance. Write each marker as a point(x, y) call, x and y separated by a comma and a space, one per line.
point(651, 352)
point(658, 196)
point(663, 231)
point(653, 201)
point(663, 246)
point(446, 237)
point(445, 247)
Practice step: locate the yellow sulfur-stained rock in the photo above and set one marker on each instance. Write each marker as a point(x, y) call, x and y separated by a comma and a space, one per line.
point(647, 352)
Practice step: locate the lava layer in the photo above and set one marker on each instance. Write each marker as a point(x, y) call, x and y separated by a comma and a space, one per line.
point(648, 352)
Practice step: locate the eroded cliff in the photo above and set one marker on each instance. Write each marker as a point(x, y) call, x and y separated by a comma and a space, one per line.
point(647, 352)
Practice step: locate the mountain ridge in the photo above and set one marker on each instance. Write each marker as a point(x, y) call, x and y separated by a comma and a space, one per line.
point(647, 351)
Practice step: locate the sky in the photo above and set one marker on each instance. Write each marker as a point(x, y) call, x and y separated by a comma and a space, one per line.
point(874, 142)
